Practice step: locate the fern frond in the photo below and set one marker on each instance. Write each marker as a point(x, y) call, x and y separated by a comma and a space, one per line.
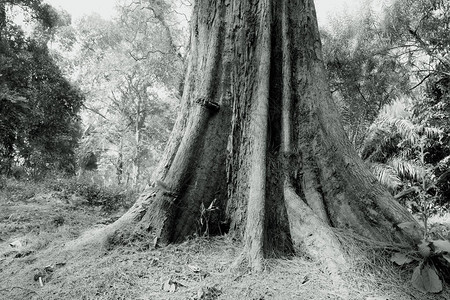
point(407, 130)
point(407, 169)
point(386, 175)
point(431, 132)
point(410, 132)
point(444, 162)
point(378, 138)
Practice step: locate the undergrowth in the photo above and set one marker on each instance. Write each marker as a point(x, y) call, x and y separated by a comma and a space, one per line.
point(41, 265)
point(17, 190)
point(109, 198)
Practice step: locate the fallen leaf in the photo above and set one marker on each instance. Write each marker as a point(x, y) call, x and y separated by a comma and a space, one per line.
point(16, 244)
point(305, 279)
point(194, 269)
point(169, 286)
point(426, 279)
point(401, 258)
point(441, 246)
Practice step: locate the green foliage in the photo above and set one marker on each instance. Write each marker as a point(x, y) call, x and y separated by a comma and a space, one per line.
point(387, 175)
point(400, 54)
point(39, 108)
point(418, 28)
point(18, 190)
point(418, 31)
point(434, 109)
point(74, 191)
point(425, 278)
point(398, 151)
point(433, 258)
point(130, 69)
point(107, 198)
point(362, 79)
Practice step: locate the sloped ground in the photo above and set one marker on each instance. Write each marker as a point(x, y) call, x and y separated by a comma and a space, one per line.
point(40, 223)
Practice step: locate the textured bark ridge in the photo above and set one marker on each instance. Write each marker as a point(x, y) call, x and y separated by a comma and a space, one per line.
point(259, 141)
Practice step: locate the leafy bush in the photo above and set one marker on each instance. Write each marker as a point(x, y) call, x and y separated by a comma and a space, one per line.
point(428, 275)
point(108, 198)
point(433, 258)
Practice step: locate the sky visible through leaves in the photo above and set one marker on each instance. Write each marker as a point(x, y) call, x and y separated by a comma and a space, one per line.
point(78, 8)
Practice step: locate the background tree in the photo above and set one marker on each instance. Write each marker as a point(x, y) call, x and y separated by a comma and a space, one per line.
point(404, 50)
point(130, 69)
point(363, 79)
point(416, 32)
point(39, 107)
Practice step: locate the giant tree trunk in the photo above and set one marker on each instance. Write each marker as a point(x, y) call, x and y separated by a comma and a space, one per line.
point(259, 137)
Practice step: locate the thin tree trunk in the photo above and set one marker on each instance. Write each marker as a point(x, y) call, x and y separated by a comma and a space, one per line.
point(136, 159)
point(119, 164)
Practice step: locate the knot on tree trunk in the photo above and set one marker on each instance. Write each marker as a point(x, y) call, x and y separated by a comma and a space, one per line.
point(213, 107)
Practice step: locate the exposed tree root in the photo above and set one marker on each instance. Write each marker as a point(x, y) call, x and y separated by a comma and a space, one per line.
point(311, 235)
point(310, 190)
point(99, 237)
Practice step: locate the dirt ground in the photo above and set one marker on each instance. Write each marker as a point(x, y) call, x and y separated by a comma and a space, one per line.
point(35, 263)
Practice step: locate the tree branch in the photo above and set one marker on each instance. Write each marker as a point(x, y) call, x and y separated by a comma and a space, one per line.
point(427, 49)
point(95, 111)
point(422, 81)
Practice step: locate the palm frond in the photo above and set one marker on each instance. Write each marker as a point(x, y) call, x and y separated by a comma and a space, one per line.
point(386, 175)
point(379, 136)
point(430, 132)
point(407, 153)
point(444, 177)
point(407, 169)
point(407, 130)
point(443, 163)
point(411, 133)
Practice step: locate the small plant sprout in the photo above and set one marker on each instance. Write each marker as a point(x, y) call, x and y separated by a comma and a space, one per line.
point(433, 258)
point(205, 215)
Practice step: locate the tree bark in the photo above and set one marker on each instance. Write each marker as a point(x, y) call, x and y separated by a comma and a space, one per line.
point(259, 136)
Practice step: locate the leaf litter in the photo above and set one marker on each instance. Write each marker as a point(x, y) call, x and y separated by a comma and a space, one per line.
point(195, 269)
